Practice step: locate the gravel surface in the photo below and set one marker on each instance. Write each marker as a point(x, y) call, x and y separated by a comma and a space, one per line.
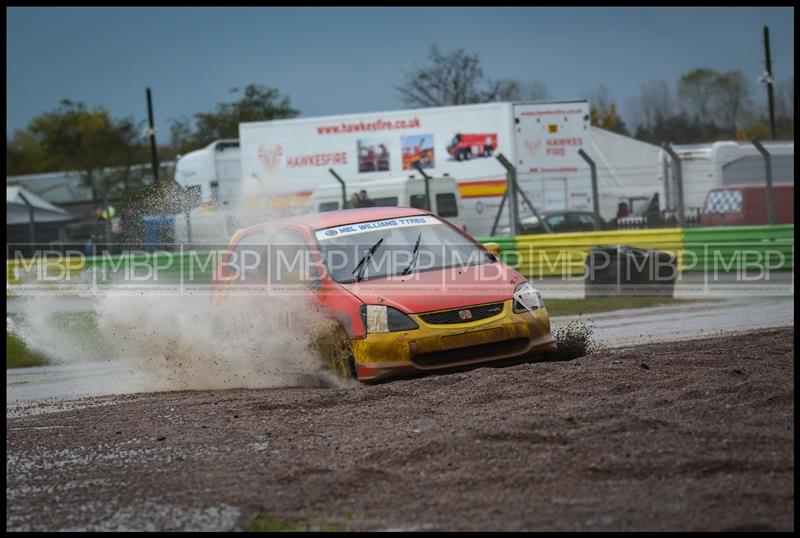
point(694, 435)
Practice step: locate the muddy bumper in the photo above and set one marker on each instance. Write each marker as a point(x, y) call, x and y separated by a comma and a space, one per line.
point(504, 337)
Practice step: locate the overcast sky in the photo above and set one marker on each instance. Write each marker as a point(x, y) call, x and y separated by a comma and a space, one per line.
point(346, 60)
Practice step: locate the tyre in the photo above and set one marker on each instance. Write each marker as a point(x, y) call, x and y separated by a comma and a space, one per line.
point(332, 345)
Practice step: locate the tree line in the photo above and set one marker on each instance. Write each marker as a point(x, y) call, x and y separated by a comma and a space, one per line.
point(705, 105)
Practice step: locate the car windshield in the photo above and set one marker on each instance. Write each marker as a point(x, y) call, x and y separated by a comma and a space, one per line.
point(439, 247)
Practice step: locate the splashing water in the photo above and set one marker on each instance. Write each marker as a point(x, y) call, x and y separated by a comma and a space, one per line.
point(183, 341)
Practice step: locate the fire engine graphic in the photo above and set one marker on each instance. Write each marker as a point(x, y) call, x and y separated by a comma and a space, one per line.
point(467, 146)
point(270, 158)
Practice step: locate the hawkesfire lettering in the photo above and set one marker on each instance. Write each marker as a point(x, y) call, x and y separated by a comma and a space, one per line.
point(316, 159)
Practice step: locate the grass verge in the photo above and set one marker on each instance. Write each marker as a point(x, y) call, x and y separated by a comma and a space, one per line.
point(82, 325)
point(18, 355)
point(569, 307)
point(267, 523)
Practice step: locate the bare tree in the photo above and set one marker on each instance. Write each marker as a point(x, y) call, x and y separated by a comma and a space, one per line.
point(731, 98)
point(504, 90)
point(454, 78)
point(514, 90)
point(696, 92)
point(654, 104)
point(598, 98)
point(785, 98)
point(537, 91)
point(180, 134)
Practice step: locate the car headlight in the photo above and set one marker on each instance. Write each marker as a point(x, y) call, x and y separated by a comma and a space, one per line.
point(383, 319)
point(527, 298)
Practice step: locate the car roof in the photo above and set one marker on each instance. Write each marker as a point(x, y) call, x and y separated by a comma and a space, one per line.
point(328, 219)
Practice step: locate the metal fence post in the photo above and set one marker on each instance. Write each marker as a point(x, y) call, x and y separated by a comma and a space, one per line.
point(511, 189)
point(595, 196)
point(341, 182)
point(427, 179)
point(499, 212)
point(32, 220)
point(768, 165)
point(667, 201)
point(679, 180)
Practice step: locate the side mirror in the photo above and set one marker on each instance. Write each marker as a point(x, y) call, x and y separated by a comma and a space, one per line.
point(494, 248)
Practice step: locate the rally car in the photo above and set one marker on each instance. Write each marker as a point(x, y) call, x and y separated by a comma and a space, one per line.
point(413, 293)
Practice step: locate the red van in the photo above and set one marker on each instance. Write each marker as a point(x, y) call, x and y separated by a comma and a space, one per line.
point(745, 205)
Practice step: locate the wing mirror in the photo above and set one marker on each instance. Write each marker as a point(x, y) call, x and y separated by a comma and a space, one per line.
point(494, 248)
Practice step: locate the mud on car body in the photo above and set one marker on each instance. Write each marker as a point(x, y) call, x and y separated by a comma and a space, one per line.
point(413, 293)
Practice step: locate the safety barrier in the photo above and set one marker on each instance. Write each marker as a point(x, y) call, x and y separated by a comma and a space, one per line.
point(564, 254)
point(730, 248)
point(736, 248)
point(170, 267)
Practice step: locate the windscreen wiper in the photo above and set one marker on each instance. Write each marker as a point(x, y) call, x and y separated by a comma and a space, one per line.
point(362, 265)
point(415, 255)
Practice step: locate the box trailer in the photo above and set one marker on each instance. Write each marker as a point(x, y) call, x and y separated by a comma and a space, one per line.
point(291, 159)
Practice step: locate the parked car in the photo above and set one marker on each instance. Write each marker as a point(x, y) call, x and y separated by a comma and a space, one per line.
point(413, 293)
point(558, 221)
point(746, 205)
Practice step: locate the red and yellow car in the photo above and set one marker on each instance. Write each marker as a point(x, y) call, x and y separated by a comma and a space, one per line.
point(413, 293)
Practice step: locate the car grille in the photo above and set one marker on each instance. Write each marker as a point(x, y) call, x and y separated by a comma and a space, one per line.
point(452, 316)
point(494, 349)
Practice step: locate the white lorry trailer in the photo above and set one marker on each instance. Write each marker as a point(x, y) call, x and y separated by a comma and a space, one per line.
point(291, 159)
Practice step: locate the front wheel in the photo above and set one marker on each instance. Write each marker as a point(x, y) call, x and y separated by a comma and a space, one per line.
point(331, 344)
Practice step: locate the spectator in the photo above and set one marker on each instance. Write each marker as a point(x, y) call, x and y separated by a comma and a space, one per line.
point(364, 200)
point(622, 210)
point(354, 201)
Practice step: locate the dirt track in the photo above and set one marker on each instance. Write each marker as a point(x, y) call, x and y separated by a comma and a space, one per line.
point(690, 436)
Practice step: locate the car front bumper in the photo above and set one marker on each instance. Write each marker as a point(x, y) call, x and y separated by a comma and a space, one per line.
point(501, 338)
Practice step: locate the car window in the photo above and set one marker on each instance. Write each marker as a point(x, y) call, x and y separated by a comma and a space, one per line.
point(556, 222)
point(287, 257)
point(440, 247)
point(581, 221)
point(248, 255)
point(328, 206)
point(418, 201)
point(446, 205)
point(386, 201)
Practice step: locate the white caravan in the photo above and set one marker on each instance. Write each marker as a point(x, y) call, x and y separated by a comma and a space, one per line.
point(706, 166)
